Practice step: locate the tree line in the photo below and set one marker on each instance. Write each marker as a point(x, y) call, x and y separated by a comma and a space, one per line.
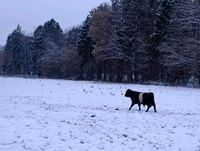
point(138, 41)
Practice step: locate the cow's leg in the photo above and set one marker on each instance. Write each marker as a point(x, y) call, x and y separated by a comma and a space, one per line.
point(139, 106)
point(154, 106)
point(131, 106)
point(148, 108)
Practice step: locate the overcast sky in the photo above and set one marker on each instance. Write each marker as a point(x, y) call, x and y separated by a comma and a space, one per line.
point(31, 13)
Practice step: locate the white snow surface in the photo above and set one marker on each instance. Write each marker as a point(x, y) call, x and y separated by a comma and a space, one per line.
point(61, 115)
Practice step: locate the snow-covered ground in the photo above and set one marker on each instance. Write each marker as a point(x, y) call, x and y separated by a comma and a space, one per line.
point(59, 115)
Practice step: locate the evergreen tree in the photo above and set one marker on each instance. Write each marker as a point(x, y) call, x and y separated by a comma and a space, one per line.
point(85, 48)
point(181, 43)
point(28, 55)
point(162, 20)
point(133, 33)
point(116, 57)
point(54, 33)
point(14, 52)
point(1, 59)
point(48, 43)
point(39, 49)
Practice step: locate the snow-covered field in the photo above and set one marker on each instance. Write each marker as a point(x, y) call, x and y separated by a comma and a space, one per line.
point(59, 115)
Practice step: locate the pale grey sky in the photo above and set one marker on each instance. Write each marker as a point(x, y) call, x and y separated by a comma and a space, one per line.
point(31, 13)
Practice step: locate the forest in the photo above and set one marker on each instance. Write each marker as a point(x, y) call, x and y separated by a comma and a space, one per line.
point(140, 41)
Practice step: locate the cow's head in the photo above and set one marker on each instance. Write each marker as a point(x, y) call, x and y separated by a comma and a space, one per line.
point(128, 93)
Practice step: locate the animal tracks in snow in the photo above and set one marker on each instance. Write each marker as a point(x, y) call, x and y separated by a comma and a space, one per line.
point(58, 116)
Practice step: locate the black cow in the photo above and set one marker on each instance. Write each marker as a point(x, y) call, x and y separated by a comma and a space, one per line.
point(141, 98)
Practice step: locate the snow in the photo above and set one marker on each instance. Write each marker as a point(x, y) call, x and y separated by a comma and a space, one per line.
point(61, 115)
